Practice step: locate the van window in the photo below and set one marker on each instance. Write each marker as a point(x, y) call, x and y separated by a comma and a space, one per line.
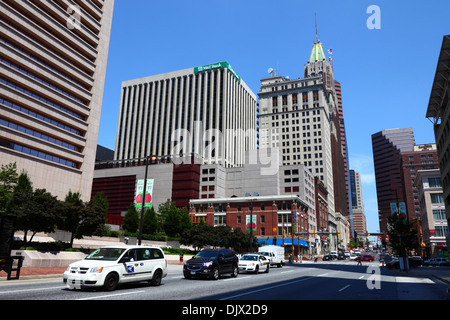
point(157, 254)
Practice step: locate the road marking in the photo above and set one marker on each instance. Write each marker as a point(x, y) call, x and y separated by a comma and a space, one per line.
point(323, 275)
point(361, 277)
point(344, 288)
point(268, 288)
point(232, 279)
point(287, 271)
point(111, 295)
point(28, 290)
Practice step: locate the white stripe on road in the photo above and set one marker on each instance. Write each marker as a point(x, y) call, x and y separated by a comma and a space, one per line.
point(344, 288)
point(28, 290)
point(111, 295)
point(264, 289)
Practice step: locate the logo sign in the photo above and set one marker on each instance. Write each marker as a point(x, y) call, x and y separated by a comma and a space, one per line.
point(139, 196)
point(130, 269)
point(218, 65)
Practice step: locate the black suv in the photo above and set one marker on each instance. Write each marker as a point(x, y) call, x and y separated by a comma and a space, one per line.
point(212, 264)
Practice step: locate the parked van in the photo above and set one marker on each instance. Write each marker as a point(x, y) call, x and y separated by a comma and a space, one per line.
point(274, 253)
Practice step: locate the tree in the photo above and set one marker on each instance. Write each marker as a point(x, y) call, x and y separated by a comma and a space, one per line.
point(21, 203)
point(93, 217)
point(175, 220)
point(70, 212)
point(8, 180)
point(131, 220)
point(43, 216)
point(150, 221)
point(402, 235)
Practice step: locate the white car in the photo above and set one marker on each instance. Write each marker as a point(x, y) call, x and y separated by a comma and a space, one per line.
point(353, 256)
point(108, 266)
point(254, 263)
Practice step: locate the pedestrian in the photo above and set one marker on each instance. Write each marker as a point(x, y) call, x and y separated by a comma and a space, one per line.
point(315, 258)
point(359, 261)
point(181, 257)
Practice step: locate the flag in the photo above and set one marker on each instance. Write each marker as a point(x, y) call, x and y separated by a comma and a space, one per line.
point(330, 51)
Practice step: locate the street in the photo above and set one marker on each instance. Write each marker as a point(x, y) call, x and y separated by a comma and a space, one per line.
point(334, 280)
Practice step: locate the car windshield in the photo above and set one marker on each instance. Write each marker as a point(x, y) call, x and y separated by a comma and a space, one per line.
point(250, 258)
point(206, 255)
point(110, 254)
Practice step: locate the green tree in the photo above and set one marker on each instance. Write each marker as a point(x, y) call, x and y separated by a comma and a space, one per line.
point(21, 203)
point(175, 220)
point(402, 235)
point(93, 217)
point(150, 221)
point(70, 212)
point(8, 180)
point(43, 217)
point(131, 220)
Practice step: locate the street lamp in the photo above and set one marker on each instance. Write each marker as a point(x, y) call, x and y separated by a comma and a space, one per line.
point(153, 158)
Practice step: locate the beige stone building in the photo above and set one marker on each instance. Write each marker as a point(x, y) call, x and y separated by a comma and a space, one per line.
point(53, 57)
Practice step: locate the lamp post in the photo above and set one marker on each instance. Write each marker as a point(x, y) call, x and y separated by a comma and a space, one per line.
point(141, 224)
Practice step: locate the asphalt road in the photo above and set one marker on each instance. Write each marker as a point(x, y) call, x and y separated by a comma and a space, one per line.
point(310, 281)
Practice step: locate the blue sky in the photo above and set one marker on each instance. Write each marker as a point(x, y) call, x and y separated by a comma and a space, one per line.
point(386, 74)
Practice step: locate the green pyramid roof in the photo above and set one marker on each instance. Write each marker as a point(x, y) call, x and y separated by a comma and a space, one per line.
point(317, 53)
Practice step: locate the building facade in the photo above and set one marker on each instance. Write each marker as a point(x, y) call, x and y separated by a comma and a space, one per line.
point(387, 146)
point(208, 111)
point(53, 57)
point(439, 112)
point(300, 117)
point(432, 213)
point(359, 217)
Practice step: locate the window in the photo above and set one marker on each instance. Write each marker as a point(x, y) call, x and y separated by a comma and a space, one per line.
point(437, 198)
point(294, 98)
point(439, 214)
point(434, 182)
point(274, 101)
point(285, 100)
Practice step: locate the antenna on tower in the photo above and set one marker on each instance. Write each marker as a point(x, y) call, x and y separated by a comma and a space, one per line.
point(317, 36)
point(272, 71)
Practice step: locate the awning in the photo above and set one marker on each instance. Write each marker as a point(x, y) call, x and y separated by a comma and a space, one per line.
point(279, 242)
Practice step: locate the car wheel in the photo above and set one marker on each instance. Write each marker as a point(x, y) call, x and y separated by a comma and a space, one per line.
point(256, 269)
point(111, 282)
point(268, 269)
point(215, 274)
point(157, 278)
point(235, 272)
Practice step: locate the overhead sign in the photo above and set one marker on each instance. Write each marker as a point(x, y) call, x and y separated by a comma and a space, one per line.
point(140, 194)
point(218, 65)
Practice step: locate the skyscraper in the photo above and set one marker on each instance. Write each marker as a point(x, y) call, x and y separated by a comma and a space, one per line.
point(52, 70)
point(387, 148)
point(300, 117)
point(208, 111)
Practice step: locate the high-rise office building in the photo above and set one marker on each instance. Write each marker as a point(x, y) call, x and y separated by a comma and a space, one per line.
point(207, 111)
point(300, 117)
point(53, 57)
point(387, 147)
point(359, 218)
point(439, 112)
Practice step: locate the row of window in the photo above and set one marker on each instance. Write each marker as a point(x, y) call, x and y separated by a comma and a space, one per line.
point(38, 135)
point(40, 117)
point(39, 154)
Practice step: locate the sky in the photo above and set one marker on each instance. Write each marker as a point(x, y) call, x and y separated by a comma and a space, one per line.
point(386, 72)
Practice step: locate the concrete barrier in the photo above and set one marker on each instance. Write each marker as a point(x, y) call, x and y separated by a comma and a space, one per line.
point(33, 258)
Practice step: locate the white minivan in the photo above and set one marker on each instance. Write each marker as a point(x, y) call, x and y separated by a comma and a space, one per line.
point(108, 266)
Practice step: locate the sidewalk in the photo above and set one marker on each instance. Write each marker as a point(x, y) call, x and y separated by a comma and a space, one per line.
point(440, 273)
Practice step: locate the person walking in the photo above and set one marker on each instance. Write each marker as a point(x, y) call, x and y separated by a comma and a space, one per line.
point(359, 261)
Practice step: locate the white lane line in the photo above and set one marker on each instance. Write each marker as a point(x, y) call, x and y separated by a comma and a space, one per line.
point(28, 290)
point(111, 295)
point(344, 288)
point(264, 289)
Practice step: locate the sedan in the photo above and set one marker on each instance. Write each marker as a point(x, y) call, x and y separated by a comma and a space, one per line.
point(254, 263)
point(367, 257)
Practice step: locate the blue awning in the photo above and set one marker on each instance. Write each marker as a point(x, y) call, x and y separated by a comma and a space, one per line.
point(279, 242)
